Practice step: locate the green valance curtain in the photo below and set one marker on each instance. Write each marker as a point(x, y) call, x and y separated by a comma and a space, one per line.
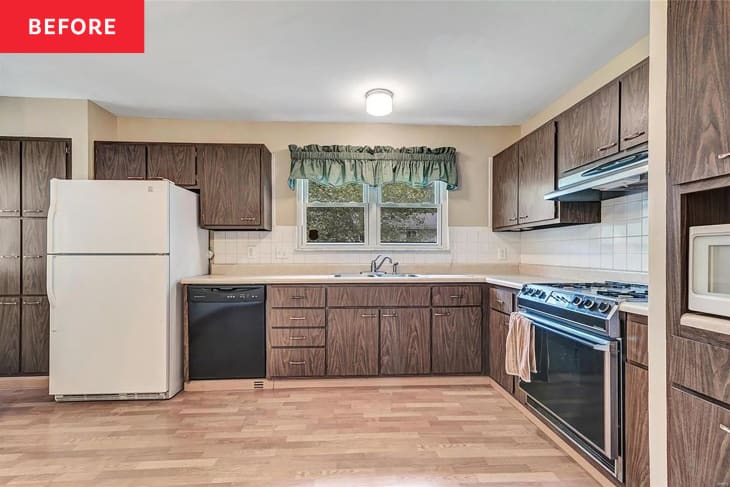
point(337, 165)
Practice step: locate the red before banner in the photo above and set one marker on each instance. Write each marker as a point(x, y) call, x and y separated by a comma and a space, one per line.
point(72, 26)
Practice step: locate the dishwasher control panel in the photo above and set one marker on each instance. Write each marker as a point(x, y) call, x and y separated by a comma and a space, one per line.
point(226, 294)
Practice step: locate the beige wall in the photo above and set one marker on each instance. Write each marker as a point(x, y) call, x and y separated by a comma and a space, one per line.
point(468, 206)
point(630, 57)
point(657, 243)
point(102, 126)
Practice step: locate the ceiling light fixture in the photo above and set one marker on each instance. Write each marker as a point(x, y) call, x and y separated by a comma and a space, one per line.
point(379, 102)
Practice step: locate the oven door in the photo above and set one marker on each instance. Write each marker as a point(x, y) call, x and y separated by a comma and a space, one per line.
point(576, 382)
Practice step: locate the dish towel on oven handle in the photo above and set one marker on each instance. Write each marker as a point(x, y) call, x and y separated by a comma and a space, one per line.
point(520, 347)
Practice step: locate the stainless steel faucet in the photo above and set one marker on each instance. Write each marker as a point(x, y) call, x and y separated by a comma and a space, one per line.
point(375, 265)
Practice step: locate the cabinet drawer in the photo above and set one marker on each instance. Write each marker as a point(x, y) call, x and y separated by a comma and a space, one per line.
point(299, 317)
point(297, 337)
point(637, 340)
point(456, 296)
point(296, 362)
point(501, 299)
point(699, 441)
point(296, 296)
point(701, 367)
point(370, 296)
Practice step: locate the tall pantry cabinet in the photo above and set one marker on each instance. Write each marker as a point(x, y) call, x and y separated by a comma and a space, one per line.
point(26, 167)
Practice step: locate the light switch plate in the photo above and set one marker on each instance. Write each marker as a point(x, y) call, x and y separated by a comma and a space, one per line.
point(252, 252)
point(501, 254)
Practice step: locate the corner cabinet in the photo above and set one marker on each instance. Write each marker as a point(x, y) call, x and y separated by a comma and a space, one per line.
point(235, 186)
point(521, 176)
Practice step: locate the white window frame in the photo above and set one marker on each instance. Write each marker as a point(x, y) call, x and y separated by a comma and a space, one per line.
point(372, 204)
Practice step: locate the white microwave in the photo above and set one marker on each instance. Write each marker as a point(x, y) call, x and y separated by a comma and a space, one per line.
point(709, 269)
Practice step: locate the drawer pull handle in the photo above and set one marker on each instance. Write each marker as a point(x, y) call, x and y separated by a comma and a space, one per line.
point(634, 135)
point(365, 315)
point(606, 147)
point(32, 211)
point(248, 218)
point(8, 210)
point(448, 313)
point(500, 302)
point(513, 219)
point(298, 362)
point(297, 318)
point(723, 156)
point(9, 257)
point(390, 315)
point(8, 303)
point(300, 337)
point(32, 302)
point(32, 256)
point(298, 297)
point(726, 429)
point(523, 217)
point(456, 296)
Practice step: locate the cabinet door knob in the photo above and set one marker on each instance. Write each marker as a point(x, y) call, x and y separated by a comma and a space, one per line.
point(634, 135)
point(607, 146)
point(723, 156)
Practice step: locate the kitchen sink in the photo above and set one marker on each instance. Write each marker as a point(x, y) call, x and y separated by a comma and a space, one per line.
point(375, 274)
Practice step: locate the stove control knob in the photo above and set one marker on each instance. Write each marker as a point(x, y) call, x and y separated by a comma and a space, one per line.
point(542, 294)
point(603, 307)
point(577, 300)
point(588, 304)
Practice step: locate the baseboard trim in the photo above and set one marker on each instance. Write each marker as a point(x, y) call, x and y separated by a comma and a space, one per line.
point(23, 383)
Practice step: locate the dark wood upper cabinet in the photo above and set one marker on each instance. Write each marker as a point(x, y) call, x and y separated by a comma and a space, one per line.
point(634, 107)
point(42, 160)
point(175, 162)
point(505, 187)
point(590, 130)
point(699, 441)
point(116, 160)
point(9, 256)
point(9, 336)
point(637, 426)
point(34, 335)
point(405, 341)
point(34, 256)
point(537, 175)
point(497, 344)
point(456, 337)
point(698, 90)
point(352, 342)
point(9, 178)
point(235, 186)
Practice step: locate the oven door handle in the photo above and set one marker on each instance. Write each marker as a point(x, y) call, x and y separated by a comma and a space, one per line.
point(571, 334)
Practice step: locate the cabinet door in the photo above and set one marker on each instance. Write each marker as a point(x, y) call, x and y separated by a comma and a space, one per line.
point(405, 341)
point(497, 342)
point(9, 336)
point(698, 91)
point(352, 342)
point(9, 178)
point(34, 336)
point(9, 256)
point(637, 426)
point(456, 335)
point(589, 131)
point(119, 161)
point(34, 256)
point(43, 160)
point(635, 107)
point(699, 441)
point(537, 175)
point(175, 162)
point(505, 176)
point(230, 185)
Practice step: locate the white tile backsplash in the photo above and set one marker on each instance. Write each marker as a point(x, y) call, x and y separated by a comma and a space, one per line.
point(618, 243)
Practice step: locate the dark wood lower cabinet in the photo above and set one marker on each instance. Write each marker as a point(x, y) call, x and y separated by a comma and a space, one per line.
point(34, 335)
point(699, 441)
point(498, 323)
point(637, 426)
point(405, 341)
point(352, 342)
point(456, 335)
point(9, 336)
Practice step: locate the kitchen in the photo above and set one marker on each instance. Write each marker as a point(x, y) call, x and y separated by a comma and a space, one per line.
point(323, 296)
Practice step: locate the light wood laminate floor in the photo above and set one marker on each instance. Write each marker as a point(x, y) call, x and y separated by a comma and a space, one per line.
point(350, 437)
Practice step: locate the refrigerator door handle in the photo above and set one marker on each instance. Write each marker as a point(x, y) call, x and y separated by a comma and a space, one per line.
point(51, 216)
point(49, 282)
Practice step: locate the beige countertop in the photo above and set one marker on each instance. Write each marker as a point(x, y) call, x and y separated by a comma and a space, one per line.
point(635, 308)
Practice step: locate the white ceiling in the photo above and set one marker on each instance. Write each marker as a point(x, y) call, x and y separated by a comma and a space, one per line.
point(461, 63)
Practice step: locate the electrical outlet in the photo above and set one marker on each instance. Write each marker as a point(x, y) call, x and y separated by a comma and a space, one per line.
point(501, 254)
point(281, 253)
point(252, 252)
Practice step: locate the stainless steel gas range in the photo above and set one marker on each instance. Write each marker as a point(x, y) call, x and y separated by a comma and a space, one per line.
point(578, 347)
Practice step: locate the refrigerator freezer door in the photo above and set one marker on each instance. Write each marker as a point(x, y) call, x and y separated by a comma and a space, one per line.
point(109, 217)
point(109, 324)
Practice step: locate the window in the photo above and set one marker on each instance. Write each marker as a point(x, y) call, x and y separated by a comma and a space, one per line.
point(356, 216)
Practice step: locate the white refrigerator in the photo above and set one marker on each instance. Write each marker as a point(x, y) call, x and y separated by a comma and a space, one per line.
point(116, 253)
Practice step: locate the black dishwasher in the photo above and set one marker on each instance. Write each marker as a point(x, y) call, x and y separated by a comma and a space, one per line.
point(227, 332)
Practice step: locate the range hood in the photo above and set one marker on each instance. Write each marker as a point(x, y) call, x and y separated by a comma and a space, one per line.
point(604, 180)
